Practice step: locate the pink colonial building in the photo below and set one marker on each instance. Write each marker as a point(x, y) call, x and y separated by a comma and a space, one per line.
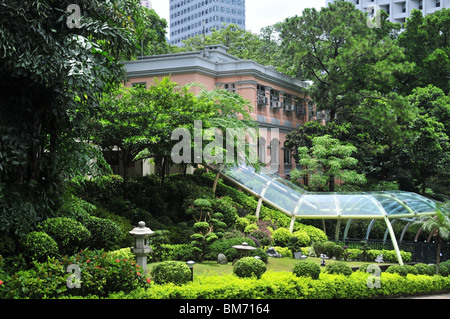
point(279, 101)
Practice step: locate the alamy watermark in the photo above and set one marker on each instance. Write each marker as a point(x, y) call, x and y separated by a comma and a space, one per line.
point(236, 145)
point(374, 16)
point(74, 19)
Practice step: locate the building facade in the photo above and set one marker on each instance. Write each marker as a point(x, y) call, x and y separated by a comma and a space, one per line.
point(399, 10)
point(279, 102)
point(146, 3)
point(189, 18)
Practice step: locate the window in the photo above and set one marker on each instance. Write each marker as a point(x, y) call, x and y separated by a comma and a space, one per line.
point(287, 154)
point(262, 150)
point(230, 87)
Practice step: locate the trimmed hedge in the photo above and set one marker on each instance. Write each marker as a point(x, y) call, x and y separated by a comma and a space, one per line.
point(249, 267)
point(286, 285)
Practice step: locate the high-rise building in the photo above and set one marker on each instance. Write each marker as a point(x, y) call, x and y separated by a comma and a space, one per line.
point(399, 10)
point(189, 18)
point(146, 3)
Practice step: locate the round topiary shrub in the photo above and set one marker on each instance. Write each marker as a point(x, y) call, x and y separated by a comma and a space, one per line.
point(307, 268)
point(70, 235)
point(303, 238)
point(397, 269)
point(105, 234)
point(39, 246)
point(248, 267)
point(424, 269)
point(174, 272)
point(281, 237)
point(338, 267)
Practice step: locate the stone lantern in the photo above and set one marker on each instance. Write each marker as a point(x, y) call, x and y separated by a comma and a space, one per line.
point(141, 247)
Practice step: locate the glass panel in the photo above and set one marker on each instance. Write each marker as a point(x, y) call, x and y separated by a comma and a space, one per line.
point(288, 196)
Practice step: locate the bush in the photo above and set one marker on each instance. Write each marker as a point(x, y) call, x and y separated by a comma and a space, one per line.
point(444, 270)
point(424, 269)
point(285, 285)
point(307, 268)
point(39, 246)
point(328, 248)
point(103, 273)
point(338, 267)
point(315, 234)
point(105, 234)
point(303, 238)
point(241, 223)
point(398, 269)
point(281, 237)
point(70, 235)
point(248, 267)
point(174, 272)
point(224, 246)
point(43, 280)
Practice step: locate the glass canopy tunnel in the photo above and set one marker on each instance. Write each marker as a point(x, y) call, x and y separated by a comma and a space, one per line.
point(297, 203)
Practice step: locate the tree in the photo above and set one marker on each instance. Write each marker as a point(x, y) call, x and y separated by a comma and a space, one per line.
point(327, 160)
point(439, 227)
point(137, 122)
point(428, 151)
point(52, 73)
point(150, 33)
point(206, 224)
point(263, 49)
point(425, 40)
point(347, 61)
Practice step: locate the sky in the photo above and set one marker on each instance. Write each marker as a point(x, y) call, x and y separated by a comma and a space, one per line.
point(259, 13)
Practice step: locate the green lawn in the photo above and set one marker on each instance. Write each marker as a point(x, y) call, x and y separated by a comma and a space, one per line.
point(274, 264)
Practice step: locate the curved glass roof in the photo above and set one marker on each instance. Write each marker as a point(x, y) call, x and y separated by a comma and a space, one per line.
point(296, 202)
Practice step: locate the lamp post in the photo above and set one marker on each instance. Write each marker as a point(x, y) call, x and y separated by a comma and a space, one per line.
point(141, 247)
point(191, 264)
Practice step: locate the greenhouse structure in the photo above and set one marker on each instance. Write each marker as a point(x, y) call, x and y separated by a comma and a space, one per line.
point(297, 203)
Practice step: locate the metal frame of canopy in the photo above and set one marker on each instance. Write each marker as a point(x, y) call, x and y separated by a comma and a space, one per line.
point(370, 199)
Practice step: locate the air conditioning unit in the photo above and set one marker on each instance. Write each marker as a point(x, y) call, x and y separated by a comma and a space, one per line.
point(276, 105)
point(289, 107)
point(262, 100)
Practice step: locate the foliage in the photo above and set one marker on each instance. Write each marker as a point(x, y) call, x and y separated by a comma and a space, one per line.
point(327, 160)
point(105, 234)
point(425, 40)
point(224, 246)
point(241, 43)
point(424, 269)
point(174, 272)
point(248, 267)
point(204, 227)
point(39, 246)
point(307, 268)
point(336, 50)
point(45, 105)
point(103, 273)
point(43, 280)
point(285, 285)
point(398, 269)
point(281, 237)
point(439, 227)
point(70, 235)
point(338, 267)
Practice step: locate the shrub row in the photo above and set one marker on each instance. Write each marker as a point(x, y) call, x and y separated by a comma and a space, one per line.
point(332, 249)
point(101, 273)
point(285, 285)
point(65, 236)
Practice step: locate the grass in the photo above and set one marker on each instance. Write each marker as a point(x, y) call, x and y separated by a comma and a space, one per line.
point(212, 268)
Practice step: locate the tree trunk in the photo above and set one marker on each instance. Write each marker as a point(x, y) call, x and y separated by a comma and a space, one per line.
point(424, 180)
point(438, 255)
point(332, 184)
point(216, 180)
